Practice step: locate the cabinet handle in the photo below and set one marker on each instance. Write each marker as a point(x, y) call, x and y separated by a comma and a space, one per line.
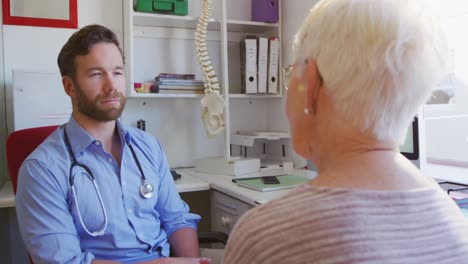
point(225, 221)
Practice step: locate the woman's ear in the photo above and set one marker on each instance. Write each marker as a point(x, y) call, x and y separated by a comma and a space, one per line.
point(312, 86)
point(68, 86)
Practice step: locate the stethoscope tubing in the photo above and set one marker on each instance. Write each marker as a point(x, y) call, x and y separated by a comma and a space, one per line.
point(103, 229)
point(146, 190)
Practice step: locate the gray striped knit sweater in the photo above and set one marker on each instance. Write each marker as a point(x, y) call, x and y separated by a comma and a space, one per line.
point(333, 225)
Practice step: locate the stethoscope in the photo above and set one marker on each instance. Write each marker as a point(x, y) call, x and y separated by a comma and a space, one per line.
point(146, 189)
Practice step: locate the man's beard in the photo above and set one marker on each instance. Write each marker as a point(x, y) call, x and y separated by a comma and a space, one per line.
point(91, 108)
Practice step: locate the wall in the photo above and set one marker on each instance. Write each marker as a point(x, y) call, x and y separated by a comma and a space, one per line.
point(36, 48)
point(3, 174)
point(293, 15)
point(41, 55)
point(177, 123)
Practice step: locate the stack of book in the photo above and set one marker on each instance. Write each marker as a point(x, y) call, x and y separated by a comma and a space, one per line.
point(171, 83)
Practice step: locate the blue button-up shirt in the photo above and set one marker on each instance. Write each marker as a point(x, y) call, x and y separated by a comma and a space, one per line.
point(138, 229)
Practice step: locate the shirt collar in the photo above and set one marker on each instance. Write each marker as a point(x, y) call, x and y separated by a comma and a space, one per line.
point(80, 139)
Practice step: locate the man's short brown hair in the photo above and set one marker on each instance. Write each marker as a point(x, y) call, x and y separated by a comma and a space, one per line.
point(80, 43)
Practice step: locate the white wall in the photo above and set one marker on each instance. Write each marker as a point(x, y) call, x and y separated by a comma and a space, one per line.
point(176, 122)
point(36, 48)
point(293, 14)
point(3, 171)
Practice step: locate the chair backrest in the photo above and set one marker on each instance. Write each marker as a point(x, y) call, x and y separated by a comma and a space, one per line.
point(20, 144)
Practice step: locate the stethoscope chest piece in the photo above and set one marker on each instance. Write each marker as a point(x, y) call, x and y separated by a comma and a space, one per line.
point(146, 190)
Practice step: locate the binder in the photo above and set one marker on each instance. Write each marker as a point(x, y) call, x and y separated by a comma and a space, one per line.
point(262, 63)
point(273, 62)
point(249, 64)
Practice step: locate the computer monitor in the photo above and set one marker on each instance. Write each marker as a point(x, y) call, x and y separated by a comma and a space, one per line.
point(410, 148)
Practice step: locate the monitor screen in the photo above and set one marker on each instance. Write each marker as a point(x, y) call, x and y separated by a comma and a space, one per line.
point(410, 148)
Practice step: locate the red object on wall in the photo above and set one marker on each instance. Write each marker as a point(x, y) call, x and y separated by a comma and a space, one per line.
point(72, 22)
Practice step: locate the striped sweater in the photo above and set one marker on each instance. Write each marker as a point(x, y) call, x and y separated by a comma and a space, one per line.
point(333, 225)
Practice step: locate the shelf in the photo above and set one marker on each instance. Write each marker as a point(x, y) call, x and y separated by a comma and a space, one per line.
point(249, 26)
point(170, 21)
point(157, 95)
point(188, 22)
point(233, 96)
point(255, 96)
point(248, 140)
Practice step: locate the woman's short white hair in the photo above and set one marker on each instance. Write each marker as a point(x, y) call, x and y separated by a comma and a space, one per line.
point(379, 59)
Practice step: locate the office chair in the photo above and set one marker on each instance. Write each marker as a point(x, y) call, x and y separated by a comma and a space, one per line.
point(22, 142)
point(18, 147)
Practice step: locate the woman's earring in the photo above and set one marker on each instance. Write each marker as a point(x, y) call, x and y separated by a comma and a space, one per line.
point(307, 111)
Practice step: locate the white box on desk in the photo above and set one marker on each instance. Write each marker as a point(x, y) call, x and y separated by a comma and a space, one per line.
point(228, 166)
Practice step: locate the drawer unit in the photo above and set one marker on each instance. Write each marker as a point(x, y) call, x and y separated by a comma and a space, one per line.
point(225, 211)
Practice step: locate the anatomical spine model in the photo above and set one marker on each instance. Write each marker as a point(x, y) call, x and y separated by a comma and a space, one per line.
point(212, 103)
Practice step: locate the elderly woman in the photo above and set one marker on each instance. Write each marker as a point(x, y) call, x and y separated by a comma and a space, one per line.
point(362, 69)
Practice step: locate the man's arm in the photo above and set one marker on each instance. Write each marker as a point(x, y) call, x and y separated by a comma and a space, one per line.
point(180, 225)
point(44, 219)
point(184, 242)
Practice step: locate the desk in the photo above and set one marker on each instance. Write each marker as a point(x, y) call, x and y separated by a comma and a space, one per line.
point(186, 183)
point(224, 184)
point(444, 172)
point(228, 201)
point(7, 198)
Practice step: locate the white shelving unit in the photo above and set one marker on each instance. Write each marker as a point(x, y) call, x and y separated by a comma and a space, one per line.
point(156, 43)
point(139, 25)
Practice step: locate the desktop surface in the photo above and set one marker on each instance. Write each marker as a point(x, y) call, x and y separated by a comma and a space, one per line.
point(184, 183)
point(447, 139)
point(224, 184)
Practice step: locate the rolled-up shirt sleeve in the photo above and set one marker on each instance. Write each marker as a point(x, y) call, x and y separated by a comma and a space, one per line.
point(44, 219)
point(174, 212)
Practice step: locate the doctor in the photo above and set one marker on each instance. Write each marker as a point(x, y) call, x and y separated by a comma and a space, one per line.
point(97, 191)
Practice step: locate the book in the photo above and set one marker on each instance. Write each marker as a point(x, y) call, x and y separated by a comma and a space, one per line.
point(180, 82)
point(180, 87)
point(174, 76)
point(177, 91)
point(286, 182)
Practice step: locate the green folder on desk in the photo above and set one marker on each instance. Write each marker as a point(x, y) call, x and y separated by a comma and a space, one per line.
point(286, 182)
point(463, 204)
